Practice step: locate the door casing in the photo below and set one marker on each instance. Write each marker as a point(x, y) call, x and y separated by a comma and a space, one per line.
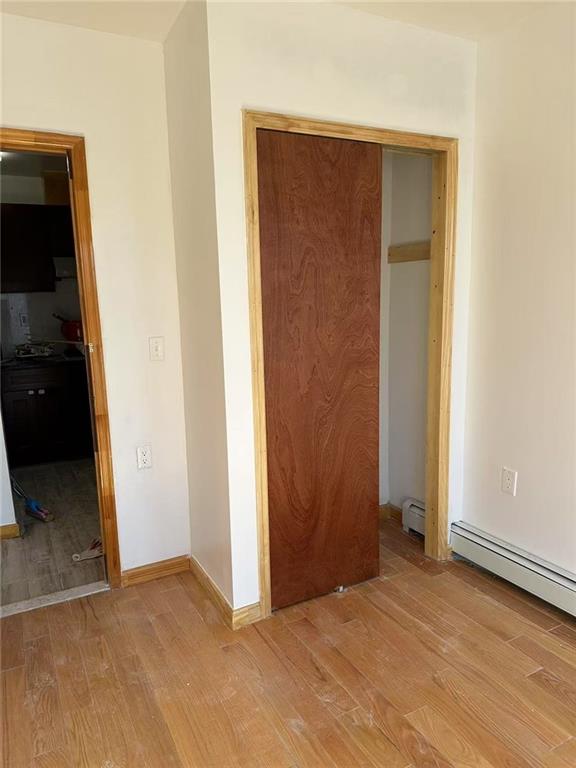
point(444, 152)
point(72, 146)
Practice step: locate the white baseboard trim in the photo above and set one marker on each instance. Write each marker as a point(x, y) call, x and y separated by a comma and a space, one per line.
point(539, 577)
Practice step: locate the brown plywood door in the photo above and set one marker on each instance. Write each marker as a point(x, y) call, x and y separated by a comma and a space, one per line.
point(320, 224)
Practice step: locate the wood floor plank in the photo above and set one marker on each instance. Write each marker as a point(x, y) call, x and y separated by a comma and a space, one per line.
point(555, 685)
point(12, 642)
point(39, 662)
point(483, 741)
point(326, 688)
point(545, 657)
point(446, 739)
point(479, 606)
point(417, 589)
point(16, 743)
point(59, 759)
point(122, 747)
point(71, 676)
point(425, 666)
point(393, 724)
point(554, 644)
point(84, 738)
point(151, 730)
point(281, 699)
point(497, 719)
point(355, 641)
point(566, 633)
point(371, 740)
point(512, 702)
point(507, 595)
point(218, 722)
point(418, 610)
point(34, 624)
point(568, 751)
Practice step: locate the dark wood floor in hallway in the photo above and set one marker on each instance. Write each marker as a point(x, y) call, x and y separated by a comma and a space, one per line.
point(429, 666)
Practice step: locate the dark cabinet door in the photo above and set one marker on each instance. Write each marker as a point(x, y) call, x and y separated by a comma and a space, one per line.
point(60, 231)
point(320, 211)
point(26, 263)
point(19, 416)
point(49, 419)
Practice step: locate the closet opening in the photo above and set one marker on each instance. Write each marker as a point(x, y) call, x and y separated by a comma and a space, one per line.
point(319, 205)
point(404, 321)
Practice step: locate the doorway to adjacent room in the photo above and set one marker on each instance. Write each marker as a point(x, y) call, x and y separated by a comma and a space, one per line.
point(58, 524)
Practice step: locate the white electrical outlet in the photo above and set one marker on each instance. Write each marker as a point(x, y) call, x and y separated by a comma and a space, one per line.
point(156, 347)
point(144, 456)
point(509, 481)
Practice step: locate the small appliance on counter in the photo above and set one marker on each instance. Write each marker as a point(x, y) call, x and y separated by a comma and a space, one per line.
point(31, 350)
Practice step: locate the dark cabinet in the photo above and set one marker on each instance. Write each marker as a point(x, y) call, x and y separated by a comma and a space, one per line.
point(46, 413)
point(60, 231)
point(18, 413)
point(30, 237)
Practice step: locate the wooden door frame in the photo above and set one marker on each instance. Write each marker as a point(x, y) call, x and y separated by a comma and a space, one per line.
point(72, 147)
point(444, 152)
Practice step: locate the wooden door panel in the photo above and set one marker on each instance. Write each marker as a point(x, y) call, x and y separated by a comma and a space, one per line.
point(320, 224)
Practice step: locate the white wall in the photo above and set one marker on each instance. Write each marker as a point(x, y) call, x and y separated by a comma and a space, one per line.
point(408, 363)
point(522, 349)
point(111, 90)
point(190, 137)
point(406, 344)
point(330, 62)
point(7, 516)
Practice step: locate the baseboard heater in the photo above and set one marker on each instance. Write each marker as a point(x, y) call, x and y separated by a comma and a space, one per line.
point(549, 582)
point(414, 516)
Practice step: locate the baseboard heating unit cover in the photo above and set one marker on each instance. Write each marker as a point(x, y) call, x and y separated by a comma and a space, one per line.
point(549, 582)
point(414, 516)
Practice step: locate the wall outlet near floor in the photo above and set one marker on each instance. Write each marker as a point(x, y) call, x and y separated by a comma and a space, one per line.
point(144, 456)
point(156, 347)
point(509, 481)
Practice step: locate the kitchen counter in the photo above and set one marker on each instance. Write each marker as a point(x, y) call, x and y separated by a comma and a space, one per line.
point(13, 363)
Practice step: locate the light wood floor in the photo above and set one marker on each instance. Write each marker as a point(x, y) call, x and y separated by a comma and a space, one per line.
point(429, 665)
point(40, 562)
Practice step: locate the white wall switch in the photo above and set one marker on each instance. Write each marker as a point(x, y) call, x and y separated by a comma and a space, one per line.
point(144, 456)
point(509, 481)
point(156, 347)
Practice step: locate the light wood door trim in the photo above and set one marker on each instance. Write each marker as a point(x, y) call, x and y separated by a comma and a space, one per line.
point(398, 254)
point(445, 170)
point(442, 245)
point(72, 146)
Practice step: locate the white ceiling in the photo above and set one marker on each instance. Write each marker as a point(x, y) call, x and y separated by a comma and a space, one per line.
point(148, 19)
point(472, 20)
point(152, 19)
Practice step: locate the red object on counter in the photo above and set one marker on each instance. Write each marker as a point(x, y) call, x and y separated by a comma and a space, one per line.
point(70, 329)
